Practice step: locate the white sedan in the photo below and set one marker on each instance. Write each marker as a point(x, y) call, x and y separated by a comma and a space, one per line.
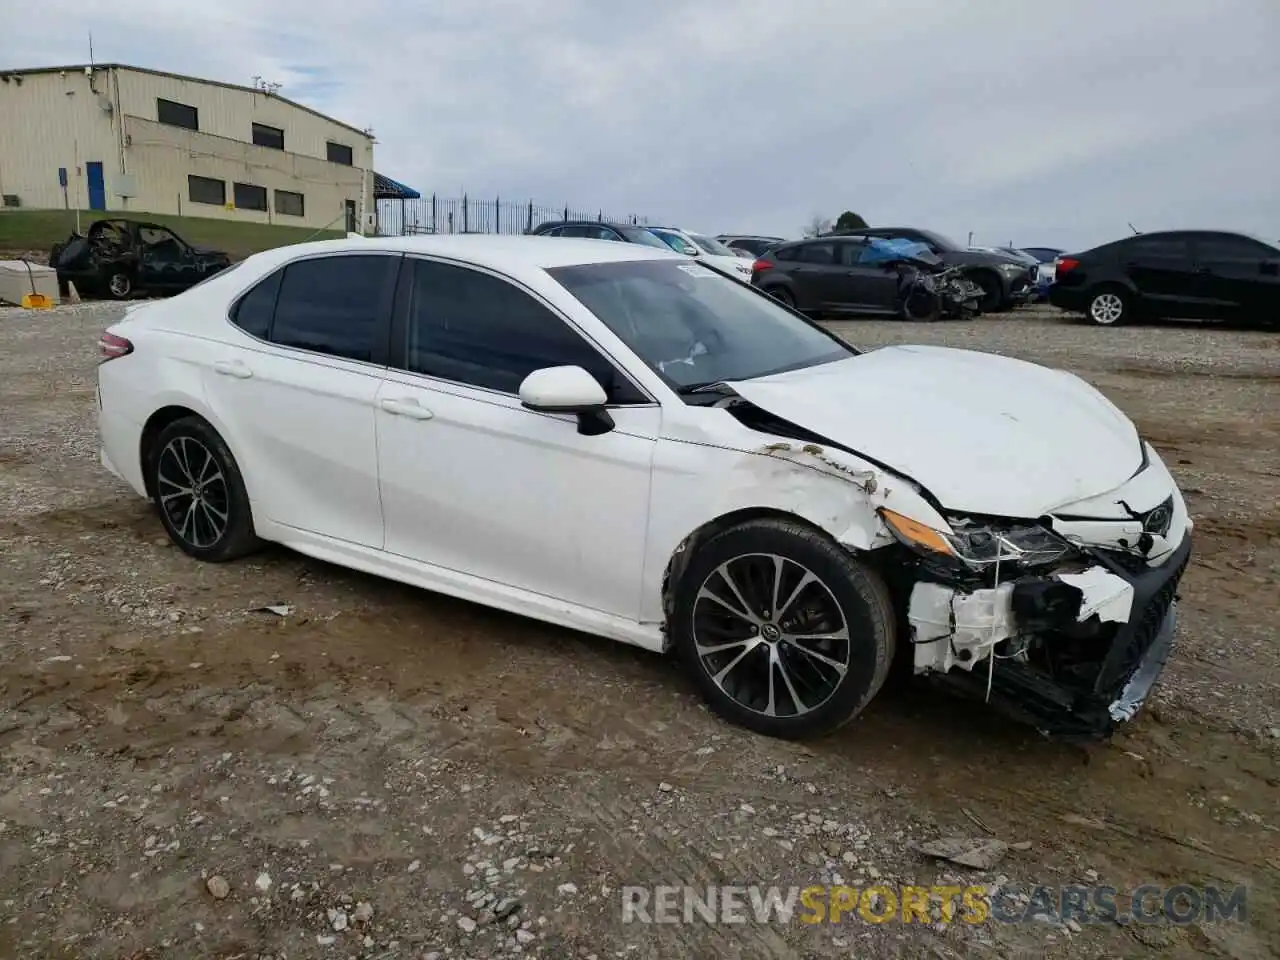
point(618, 440)
point(706, 249)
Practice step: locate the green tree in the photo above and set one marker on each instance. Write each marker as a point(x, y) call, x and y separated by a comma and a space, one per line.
point(850, 221)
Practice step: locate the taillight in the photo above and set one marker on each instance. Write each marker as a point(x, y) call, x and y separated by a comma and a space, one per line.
point(761, 265)
point(112, 346)
point(1063, 264)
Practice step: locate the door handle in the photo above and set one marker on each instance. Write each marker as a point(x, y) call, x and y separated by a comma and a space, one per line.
point(406, 408)
point(232, 368)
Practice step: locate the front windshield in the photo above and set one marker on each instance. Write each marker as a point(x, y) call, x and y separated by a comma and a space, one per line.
point(940, 241)
point(693, 325)
point(713, 247)
point(643, 236)
point(676, 242)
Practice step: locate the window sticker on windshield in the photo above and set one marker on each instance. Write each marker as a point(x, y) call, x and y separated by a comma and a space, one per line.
point(694, 270)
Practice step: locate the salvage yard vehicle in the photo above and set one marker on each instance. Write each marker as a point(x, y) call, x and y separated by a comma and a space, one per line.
point(1191, 274)
point(1006, 281)
point(705, 249)
point(871, 276)
point(119, 258)
point(615, 439)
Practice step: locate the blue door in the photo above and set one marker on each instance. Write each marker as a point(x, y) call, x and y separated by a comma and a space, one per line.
point(97, 189)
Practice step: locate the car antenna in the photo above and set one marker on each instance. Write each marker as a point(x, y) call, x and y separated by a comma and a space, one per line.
point(1134, 229)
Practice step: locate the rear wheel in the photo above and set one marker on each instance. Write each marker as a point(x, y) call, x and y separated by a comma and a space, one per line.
point(197, 487)
point(783, 630)
point(1109, 306)
point(783, 296)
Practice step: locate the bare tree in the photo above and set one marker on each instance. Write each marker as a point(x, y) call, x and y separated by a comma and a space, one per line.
point(817, 226)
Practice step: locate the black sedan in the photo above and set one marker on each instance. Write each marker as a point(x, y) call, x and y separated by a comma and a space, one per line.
point(1196, 274)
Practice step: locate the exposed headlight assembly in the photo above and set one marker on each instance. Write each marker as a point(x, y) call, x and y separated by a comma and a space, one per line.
point(979, 546)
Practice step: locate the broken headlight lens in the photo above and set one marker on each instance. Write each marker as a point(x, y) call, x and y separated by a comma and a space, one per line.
point(979, 546)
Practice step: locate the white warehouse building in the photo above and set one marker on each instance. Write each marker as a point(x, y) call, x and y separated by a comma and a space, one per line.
point(121, 138)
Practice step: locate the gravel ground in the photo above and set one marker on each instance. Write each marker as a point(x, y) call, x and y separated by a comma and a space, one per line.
point(383, 772)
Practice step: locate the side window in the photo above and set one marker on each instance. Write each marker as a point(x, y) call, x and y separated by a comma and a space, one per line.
point(787, 253)
point(823, 254)
point(552, 232)
point(1163, 247)
point(474, 328)
point(334, 305)
point(1223, 247)
point(575, 230)
point(603, 233)
point(851, 253)
point(253, 313)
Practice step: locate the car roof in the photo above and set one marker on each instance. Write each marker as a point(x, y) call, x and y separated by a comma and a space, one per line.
point(497, 251)
point(589, 223)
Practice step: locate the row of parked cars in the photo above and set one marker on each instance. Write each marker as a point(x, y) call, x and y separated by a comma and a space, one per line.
point(1211, 275)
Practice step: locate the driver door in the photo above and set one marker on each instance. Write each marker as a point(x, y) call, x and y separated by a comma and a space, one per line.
point(165, 262)
point(473, 482)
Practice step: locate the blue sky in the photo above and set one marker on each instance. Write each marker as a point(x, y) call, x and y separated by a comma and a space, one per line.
point(1027, 122)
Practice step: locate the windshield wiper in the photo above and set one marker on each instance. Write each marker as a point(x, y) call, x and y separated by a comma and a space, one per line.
point(706, 386)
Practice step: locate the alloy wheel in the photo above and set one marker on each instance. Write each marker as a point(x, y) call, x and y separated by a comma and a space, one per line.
point(193, 492)
point(770, 635)
point(1106, 308)
point(119, 285)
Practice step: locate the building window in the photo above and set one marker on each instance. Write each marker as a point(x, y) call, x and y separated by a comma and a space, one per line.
point(289, 203)
point(206, 190)
point(177, 114)
point(265, 136)
point(250, 196)
point(338, 153)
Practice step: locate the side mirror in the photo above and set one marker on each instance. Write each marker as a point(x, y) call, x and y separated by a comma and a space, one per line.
point(689, 250)
point(568, 390)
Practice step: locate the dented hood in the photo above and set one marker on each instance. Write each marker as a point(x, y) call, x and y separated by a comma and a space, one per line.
point(983, 433)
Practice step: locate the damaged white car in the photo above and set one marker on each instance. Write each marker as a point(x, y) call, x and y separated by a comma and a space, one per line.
point(622, 441)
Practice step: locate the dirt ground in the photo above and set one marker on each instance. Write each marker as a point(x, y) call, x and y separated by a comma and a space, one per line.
point(383, 772)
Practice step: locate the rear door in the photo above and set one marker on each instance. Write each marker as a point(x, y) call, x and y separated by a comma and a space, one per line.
point(1236, 275)
point(1161, 268)
point(815, 274)
point(296, 392)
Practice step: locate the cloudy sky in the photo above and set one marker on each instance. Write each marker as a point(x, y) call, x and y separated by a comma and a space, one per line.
point(1037, 123)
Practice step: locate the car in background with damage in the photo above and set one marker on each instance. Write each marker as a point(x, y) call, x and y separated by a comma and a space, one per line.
point(1006, 281)
point(119, 258)
point(714, 474)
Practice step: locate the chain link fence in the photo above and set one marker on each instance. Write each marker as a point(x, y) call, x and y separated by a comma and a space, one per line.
point(466, 214)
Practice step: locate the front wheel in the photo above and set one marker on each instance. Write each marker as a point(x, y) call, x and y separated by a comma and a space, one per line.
point(119, 285)
point(783, 630)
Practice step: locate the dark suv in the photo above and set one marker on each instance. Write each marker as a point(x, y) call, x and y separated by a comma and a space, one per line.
point(598, 230)
point(1005, 281)
point(1200, 274)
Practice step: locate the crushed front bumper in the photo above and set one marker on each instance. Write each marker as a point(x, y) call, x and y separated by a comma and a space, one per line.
point(1132, 651)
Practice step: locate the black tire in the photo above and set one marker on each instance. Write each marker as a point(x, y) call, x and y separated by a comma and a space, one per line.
point(118, 284)
point(190, 450)
point(783, 296)
point(992, 294)
point(1109, 306)
point(749, 552)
